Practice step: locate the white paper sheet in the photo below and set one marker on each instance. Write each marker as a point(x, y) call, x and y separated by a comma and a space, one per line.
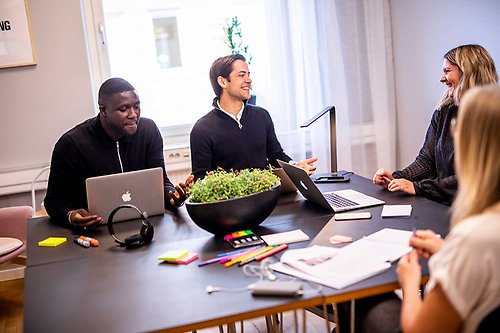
point(285, 237)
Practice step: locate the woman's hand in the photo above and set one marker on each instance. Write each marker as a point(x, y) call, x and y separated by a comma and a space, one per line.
point(401, 184)
point(382, 178)
point(409, 272)
point(426, 243)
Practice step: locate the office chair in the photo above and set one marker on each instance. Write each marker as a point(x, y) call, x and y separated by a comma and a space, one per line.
point(13, 222)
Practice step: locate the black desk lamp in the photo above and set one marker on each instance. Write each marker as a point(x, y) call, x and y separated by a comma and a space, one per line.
point(333, 176)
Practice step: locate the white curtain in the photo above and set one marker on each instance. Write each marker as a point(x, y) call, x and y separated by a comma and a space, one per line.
point(337, 53)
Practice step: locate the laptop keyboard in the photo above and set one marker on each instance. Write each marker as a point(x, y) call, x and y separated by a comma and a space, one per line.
point(338, 201)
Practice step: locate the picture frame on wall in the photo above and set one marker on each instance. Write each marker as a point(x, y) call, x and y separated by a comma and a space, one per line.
point(16, 42)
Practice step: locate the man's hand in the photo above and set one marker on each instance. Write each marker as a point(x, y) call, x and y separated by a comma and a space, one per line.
point(180, 195)
point(81, 219)
point(426, 242)
point(306, 165)
point(382, 178)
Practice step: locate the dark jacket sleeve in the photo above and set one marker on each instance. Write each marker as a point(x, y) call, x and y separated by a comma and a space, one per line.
point(63, 188)
point(427, 180)
point(201, 153)
point(438, 189)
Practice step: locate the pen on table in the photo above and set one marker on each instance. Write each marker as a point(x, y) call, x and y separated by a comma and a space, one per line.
point(93, 242)
point(81, 242)
point(241, 254)
point(224, 257)
point(246, 256)
point(252, 256)
point(238, 251)
point(272, 252)
point(209, 261)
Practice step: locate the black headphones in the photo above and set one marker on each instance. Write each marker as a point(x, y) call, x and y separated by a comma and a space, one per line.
point(145, 236)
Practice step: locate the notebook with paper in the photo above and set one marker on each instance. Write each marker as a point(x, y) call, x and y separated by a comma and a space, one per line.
point(336, 201)
point(142, 188)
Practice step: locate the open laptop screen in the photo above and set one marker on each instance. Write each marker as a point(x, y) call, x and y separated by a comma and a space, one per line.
point(142, 188)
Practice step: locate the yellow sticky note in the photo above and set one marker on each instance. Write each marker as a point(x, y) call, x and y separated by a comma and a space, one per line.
point(173, 255)
point(52, 241)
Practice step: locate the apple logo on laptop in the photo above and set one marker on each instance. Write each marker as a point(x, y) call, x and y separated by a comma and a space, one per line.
point(303, 185)
point(126, 197)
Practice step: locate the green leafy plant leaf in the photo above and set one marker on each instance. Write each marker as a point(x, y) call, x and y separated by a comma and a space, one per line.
point(222, 185)
point(234, 39)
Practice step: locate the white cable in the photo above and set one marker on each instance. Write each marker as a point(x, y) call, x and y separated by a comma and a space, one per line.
point(211, 289)
point(263, 271)
point(119, 157)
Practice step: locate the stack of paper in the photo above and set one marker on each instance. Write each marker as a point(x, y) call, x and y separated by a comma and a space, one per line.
point(396, 211)
point(285, 237)
point(338, 268)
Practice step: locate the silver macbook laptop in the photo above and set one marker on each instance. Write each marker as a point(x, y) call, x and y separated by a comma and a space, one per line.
point(336, 201)
point(142, 188)
point(287, 185)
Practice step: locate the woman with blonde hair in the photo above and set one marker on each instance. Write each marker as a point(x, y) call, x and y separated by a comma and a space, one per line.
point(464, 285)
point(463, 292)
point(432, 174)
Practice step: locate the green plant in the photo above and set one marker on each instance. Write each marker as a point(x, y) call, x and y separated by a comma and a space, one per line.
point(221, 185)
point(234, 39)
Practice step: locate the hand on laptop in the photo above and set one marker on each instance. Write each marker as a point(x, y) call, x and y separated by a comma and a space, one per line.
point(306, 164)
point(180, 195)
point(80, 218)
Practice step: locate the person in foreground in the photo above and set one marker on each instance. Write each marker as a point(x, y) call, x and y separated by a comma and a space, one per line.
point(235, 135)
point(432, 174)
point(464, 283)
point(463, 292)
point(116, 140)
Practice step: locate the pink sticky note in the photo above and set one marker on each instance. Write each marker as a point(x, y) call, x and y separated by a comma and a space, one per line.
point(185, 259)
point(337, 239)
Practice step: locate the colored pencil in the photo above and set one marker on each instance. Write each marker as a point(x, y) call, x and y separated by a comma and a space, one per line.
point(208, 262)
point(247, 255)
point(272, 252)
point(238, 251)
point(252, 257)
point(225, 257)
point(237, 255)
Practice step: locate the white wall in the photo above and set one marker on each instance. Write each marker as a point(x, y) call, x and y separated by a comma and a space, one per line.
point(41, 102)
point(423, 31)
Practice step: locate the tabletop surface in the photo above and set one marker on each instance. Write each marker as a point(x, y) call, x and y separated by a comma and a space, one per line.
point(71, 288)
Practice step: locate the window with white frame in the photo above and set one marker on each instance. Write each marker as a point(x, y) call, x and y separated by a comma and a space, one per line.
point(300, 64)
point(165, 49)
